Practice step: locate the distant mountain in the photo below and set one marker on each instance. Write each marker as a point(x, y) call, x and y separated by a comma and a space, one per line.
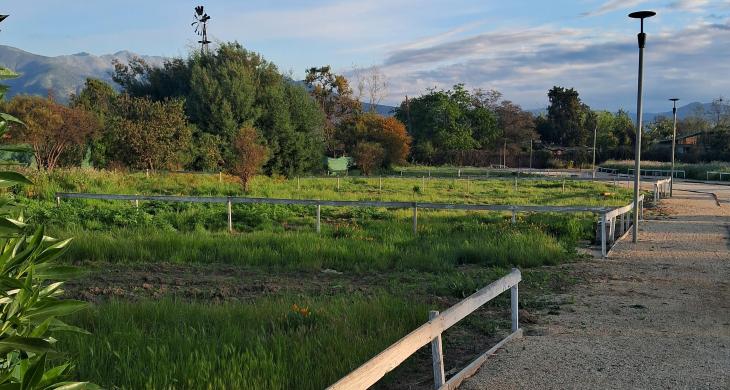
point(379, 108)
point(687, 110)
point(63, 75)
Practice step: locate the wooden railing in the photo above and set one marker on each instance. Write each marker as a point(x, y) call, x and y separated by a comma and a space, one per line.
point(374, 369)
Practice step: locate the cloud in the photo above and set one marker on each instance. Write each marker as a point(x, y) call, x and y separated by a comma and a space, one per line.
point(613, 5)
point(690, 61)
point(688, 5)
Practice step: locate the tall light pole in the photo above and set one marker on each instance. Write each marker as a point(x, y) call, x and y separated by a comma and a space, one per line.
point(674, 142)
point(530, 153)
point(639, 120)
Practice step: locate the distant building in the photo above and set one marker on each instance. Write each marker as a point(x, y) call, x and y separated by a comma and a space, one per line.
point(694, 147)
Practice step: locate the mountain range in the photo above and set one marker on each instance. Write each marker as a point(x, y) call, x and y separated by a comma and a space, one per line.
point(61, 75)
point(66, 74)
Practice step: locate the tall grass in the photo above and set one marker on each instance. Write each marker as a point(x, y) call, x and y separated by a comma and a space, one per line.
point(265, 344)
point(357, 246)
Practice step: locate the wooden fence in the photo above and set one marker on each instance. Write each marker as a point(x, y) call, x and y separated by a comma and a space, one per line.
point(374, 369)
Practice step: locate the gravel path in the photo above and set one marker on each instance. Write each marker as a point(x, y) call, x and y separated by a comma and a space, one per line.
point(656, 315)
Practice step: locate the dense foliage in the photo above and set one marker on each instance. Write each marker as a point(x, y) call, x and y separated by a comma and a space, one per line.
point(50, 128)
point(30, 293)
point(226, 90)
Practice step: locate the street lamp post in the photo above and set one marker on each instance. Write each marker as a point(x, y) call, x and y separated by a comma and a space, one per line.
point(674, 142)
point(639, 120)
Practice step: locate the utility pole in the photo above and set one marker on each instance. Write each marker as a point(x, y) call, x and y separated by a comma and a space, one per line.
point(530, 153)
point(504, 154)
point(639, 120)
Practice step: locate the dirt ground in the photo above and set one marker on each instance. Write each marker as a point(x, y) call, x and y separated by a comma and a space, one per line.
point(656, 315)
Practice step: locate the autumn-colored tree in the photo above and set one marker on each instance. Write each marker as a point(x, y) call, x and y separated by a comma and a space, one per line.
point(387, 132)
point(148, 134)
point(369, 156)
point(251, 155)
point(51, 129)
point(334, 95)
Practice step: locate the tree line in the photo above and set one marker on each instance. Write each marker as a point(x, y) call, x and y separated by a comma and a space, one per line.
point(226, 110)
point(231, 109)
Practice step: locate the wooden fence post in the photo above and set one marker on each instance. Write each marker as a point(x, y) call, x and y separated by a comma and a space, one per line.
point(380, 185)
point(220, 176)
point(515, 308)
point(298, 185)
point(338, 183)
point(514, 216)
point(147, 172)
point(58, 201)
point(319, 220)
point(439, 377)
point(459, 173)
point(415, 218)
point(230, 215)
point(423, 182)
point(563, 185)
point(603, 235)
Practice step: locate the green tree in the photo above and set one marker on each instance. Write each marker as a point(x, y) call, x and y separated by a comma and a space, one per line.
point(448, 121)
point(148, 134)
point(231, 88)
point(566, 117)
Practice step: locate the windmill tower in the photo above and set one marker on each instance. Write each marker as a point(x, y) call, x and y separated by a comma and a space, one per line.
point(201, 28)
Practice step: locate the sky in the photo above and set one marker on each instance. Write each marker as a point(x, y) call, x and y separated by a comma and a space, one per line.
point(521, 48)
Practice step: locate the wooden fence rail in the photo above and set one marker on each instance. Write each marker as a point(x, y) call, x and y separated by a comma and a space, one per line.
point(374, 369)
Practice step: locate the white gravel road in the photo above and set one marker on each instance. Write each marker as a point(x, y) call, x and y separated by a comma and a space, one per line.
point(656, 315)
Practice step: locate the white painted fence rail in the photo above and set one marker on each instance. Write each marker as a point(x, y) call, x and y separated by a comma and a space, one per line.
point(659, 172)
point(719, 174)
point(604, 235)
point(374, 369)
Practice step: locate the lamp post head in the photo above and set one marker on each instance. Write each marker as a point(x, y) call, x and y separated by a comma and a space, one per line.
point(642, 15)
point(674, 104)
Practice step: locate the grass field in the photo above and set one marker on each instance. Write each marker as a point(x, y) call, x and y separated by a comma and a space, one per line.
point(181, 303)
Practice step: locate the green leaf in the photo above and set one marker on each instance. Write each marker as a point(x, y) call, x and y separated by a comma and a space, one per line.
point(53, 251)
point(27, 344)
point(75, 386)
point(9, 225)
point(60, 326)
point(10, 118)
point(16, 149)
point(55, 375)
point(56, 308)
point(34, 373)
point(10, 178)
point(57, 272)
point(10, 386)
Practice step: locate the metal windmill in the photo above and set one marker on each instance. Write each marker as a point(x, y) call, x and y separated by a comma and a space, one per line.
point(201, 27)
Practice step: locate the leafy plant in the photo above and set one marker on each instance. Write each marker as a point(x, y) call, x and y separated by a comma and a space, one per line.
point(30, 301)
